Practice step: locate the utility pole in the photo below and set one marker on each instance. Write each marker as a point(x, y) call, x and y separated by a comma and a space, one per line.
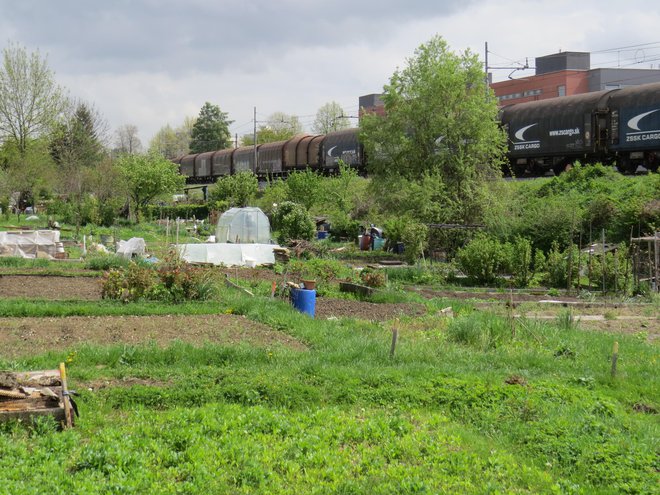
point(486, 64)
point(255, 139)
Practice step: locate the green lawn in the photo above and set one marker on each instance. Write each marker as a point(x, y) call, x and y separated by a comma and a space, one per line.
point(345, 417)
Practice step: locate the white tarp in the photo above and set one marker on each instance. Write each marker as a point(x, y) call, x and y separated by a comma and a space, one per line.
point(228, 254)
point(30, 243)
point(135, 246)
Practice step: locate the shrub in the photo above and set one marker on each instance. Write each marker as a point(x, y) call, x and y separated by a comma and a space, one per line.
point(344, 227)
point(292, 221)
point(415, 238)
point(237, 190)
point(614, 268)
point(559, 265)
point(373, 278)
point(128, 284)
point(484, 258)
point(172, 281)
point(520, 262)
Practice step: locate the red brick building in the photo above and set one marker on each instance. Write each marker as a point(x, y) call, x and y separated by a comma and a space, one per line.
point(559, 74)
point(565, 74)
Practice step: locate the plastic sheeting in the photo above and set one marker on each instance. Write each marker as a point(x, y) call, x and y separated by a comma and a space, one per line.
point(30, 243)
point(242, 226)
point(228, 254)
point(135, 246)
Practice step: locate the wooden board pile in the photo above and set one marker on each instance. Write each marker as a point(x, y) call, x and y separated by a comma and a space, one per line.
point(30, 394)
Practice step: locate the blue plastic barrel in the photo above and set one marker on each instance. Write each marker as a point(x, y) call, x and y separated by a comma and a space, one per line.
point(321, 234)
point(304, 300)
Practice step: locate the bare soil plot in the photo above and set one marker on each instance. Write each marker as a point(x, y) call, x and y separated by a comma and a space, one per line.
point(26, 336)
point(50, 287)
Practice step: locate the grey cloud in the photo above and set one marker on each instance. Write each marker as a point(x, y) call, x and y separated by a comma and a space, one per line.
point(201, 35)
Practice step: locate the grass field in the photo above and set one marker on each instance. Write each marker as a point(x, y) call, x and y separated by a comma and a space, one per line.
point(465, 405)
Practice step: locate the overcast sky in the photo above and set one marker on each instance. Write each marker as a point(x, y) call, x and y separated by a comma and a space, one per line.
point(154, 62)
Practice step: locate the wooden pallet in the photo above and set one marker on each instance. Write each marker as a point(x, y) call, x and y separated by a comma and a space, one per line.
point(31, 394)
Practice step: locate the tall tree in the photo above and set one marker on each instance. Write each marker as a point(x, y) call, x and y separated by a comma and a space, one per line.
point(127, 140)
point(171, 142)
point(30, 100)
point(440, 123)
point(278, 127)
point(148, 176)
point(77, 149)
point(330, 117)
point(211, 130)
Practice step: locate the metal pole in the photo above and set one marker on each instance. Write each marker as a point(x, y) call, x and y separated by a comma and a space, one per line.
point(486, 65)
point(255, 139)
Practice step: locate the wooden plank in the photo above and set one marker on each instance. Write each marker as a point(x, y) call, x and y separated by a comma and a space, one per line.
point(30, 404)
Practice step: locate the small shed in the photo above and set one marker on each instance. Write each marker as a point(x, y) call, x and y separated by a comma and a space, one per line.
point(243, 226)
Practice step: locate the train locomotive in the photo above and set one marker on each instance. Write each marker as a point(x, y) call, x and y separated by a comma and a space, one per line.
point(618, 127)
point(321, 153)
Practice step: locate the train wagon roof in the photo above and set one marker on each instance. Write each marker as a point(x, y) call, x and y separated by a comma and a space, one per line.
point(272, 146)
point(188, 159)
point(582, 103)
point(636, 96)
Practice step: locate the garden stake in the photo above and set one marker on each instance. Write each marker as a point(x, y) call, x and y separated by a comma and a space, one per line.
point(68, 418)
point(511, 318)
point(615, 357)
point(395, 336)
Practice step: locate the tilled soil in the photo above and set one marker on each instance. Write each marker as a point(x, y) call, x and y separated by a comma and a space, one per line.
point(340, 308)
point(25, 336)
point(50, 287)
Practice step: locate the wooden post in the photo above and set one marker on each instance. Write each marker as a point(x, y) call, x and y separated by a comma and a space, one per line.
point(615, 358)
point(657, 261)
point(579, 267)
point(512, 320)
point(395, 336)
point(602, 260)
point(68, 417)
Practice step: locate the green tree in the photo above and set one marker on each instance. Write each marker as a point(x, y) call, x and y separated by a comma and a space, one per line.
point(440, 122)
point(30, 172)
point(330, 117)
point(77, 149)
point(303, 187)
point(171, 142)
point(30, 100)
point(211, 130)
point(148, 176)
point(237, 190)
point(278, 127)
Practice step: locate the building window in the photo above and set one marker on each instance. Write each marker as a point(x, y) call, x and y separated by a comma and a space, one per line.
point(532, 92)
point(561, 90)
point(511, 96)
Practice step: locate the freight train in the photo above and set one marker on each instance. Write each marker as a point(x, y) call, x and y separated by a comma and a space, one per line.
point(619, 127)
point(317, 152)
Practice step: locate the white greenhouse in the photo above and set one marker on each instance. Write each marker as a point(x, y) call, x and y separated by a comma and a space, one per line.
point(243, 226)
